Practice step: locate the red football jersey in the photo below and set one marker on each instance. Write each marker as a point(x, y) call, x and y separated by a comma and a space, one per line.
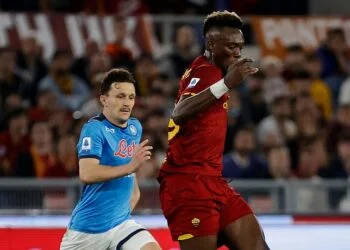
point(197, 145)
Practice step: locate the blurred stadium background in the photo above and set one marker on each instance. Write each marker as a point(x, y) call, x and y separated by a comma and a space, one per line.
point(288, 142)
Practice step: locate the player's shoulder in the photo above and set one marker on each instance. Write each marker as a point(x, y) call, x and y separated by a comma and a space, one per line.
point(201, 64)
point(95, 122)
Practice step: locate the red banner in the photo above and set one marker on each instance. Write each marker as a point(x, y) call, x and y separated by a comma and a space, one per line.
point(274, 34)
point(50, 239)
point(71, 31)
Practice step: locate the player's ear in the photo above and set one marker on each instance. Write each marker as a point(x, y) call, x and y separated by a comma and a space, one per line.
point(209, 44)
point(103, 100)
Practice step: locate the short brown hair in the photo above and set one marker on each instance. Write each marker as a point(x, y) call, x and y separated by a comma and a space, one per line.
point(222, 19)
point(115, 76)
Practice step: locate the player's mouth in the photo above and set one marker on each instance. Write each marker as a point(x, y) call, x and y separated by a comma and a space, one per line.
point(125, 111)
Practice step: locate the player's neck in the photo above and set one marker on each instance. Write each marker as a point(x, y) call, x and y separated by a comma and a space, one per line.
point(208, 55)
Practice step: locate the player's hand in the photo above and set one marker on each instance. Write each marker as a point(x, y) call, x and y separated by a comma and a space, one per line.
point(238, 71)
point(142, 153)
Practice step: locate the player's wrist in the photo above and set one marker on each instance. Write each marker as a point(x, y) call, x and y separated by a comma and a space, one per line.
point(219, 88)
point(130, 168)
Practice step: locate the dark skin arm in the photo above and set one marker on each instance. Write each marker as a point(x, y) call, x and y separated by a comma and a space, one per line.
point(191, 105)
point(188, 106)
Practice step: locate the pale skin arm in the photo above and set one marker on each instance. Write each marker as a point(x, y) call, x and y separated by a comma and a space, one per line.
point(91, 171)
point(136, 194)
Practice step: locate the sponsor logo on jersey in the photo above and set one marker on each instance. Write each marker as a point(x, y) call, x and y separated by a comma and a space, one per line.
point(86, 144)
point(193, 82)
point(111, 130)
point(125, 150)
point(133, 130)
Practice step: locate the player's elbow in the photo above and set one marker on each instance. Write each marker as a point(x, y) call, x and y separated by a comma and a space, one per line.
point(85, 178)
point(177, 117)
point(85, 175)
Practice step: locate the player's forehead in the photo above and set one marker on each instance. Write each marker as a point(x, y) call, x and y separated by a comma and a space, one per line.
point(122, 87)
point(227, 35)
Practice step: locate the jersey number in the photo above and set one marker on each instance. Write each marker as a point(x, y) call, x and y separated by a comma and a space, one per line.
point(173, 129)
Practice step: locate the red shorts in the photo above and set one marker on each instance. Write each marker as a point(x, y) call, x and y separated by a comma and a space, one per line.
point(196, 205)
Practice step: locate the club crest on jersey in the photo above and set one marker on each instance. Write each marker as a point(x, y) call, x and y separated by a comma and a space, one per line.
point(125, 150)
point(193, 82)
point(133, 130)
point(195, 222)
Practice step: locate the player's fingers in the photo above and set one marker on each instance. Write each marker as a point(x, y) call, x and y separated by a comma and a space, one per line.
point(143, 143)
point(249, 69)
point(147, 153)
point(144, 149)
point(253, 70)
point(243, 61)
point(147, 148)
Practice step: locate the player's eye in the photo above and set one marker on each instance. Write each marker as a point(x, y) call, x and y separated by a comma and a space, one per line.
point(120, 96)
point(132, 97)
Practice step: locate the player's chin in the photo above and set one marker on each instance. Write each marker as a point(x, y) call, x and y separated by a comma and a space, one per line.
point(124, 116)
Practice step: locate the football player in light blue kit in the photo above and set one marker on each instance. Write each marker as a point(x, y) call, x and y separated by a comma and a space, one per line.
point(110, 151)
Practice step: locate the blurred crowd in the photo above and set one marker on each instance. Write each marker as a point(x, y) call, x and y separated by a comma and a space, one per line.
point(290, 120)
point(136, 7)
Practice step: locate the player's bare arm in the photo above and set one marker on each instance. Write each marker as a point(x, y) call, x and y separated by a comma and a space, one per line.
point(188, 106)
point(135, 195)
point(91, 171)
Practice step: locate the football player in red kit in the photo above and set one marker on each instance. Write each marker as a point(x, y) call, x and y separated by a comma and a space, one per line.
point(199, 205)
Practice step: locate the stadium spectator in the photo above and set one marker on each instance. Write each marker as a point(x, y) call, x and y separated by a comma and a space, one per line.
point(10, 81)
point(319, 89)
point(45, 106)
point(340, 124)
point(243, 162)
point(30, 65)
point(13, 141)
point(70, 91)
point(272, 67)
point(40, 157)
point(93, 106)
point(279, 163)
point(185, 50)
point(80, 66)
point(294, 60)
point(278, 126)
point(334, 54)
point(254, 107)
point(120, 49)
point(67, 161)
point(311, 198)
point(146, 71)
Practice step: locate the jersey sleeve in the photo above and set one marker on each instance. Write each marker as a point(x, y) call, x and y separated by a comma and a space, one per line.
point(200, 79)
point(90, 141)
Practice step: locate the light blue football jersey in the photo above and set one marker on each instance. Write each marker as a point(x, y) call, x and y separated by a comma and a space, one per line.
point(105, 205)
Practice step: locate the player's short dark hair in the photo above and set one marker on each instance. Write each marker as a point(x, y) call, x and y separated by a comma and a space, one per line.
point(115, 76)
point(220, 19)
